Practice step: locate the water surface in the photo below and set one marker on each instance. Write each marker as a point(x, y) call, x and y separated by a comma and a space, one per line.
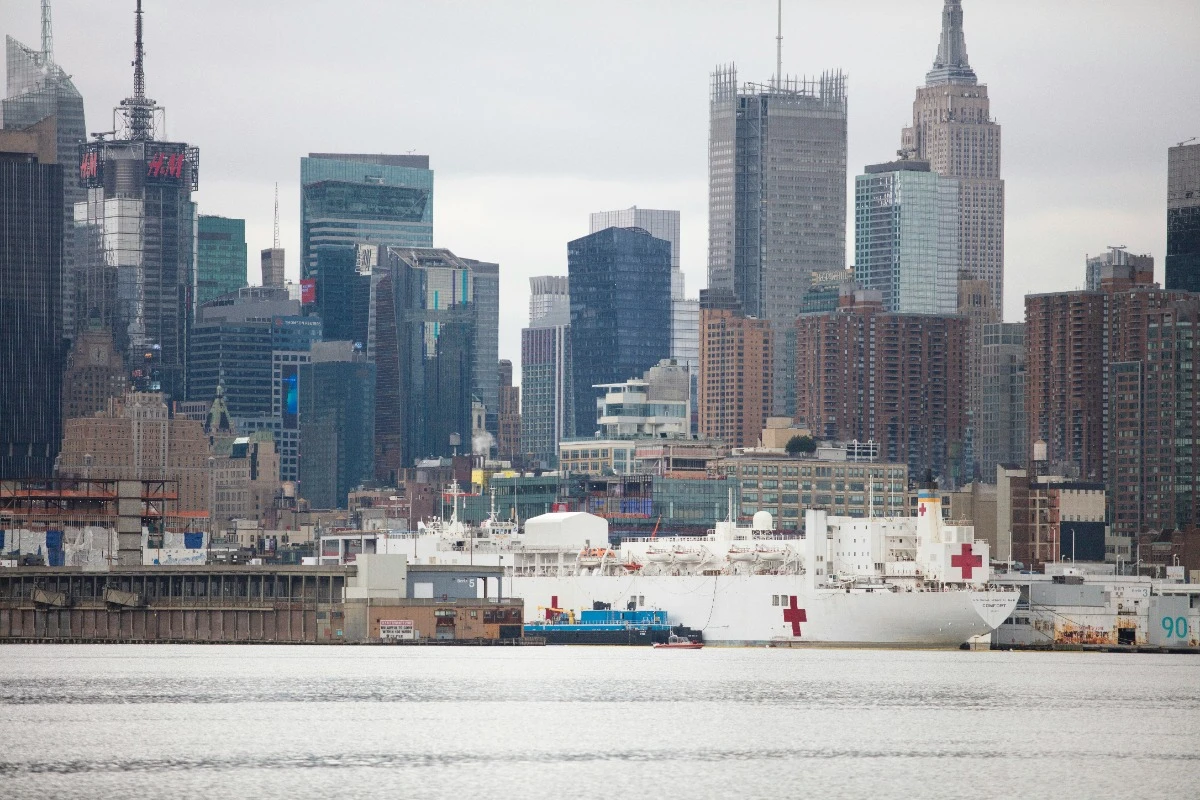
point(577, 722)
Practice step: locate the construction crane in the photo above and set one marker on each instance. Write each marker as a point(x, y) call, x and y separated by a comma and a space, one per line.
point(1187, 141)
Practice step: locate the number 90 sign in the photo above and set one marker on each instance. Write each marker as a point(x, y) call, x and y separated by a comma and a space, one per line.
point(1175, 627)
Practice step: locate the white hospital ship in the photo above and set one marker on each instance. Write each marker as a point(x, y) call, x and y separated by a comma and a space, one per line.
point(887, 581)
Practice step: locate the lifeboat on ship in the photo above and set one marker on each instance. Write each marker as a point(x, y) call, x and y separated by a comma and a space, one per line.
point(688, 555)
point(659, 555)
point(592, 556)
point(772, 555)
point(743, 554)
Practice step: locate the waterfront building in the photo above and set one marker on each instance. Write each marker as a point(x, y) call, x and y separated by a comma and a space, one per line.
point(736, 370)
point(547, 402)
point(620, 289)
point(508, 428)
point(337, 423)
point(220, 257)
point(786, 486)
point(436, 320)
point(1043, 519)
point(1001, 430)
point(896, 379)
point(138, 224)
point(31, 273)
point(39, 89)
point(348, 198)
point(233, 343)
point(1183, 217)
point(94, 374)
point(1143, 265)
point(906, 237)
point(770, 228)
point(953, 130)
point(137, 439)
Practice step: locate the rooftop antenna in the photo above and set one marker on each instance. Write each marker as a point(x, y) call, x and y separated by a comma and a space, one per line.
point(779, 48)
point(47, 34)
point(276, 215)
point(140, 109)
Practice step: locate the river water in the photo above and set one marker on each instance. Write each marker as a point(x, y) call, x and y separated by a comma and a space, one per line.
point(605, 722)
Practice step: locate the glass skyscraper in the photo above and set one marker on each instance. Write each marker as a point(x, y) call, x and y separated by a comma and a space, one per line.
point(620, 281)
point(31, 353)
point(220, 257)
point(435, 321)
point(547, 414)
point(348, 198)
point(906, 237)
point(336, 392)
point(39, 88)
point(1183, 217)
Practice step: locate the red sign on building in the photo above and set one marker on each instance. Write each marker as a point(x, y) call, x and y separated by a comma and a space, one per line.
point(165, 165)
point(308, 290)
point(87, 167)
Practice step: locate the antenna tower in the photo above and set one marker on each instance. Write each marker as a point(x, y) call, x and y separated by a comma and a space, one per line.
point(139, 109)
point(47, 34)
point(779, 47)
point(276, 245)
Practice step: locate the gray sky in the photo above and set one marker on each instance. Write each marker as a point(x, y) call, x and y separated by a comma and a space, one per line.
point(536, 113)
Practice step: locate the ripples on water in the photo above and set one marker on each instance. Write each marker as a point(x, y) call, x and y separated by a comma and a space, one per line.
point(291, 722)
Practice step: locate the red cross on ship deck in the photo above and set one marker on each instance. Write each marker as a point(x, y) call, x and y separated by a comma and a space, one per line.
point(967, 561)
point(794, 615)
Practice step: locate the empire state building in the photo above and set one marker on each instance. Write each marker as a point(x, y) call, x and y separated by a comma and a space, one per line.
point(953, 130)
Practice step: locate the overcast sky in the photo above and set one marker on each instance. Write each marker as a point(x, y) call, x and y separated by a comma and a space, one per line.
point(536, 113)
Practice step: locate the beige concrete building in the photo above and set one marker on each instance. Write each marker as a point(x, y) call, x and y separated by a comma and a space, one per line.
point(953, 130)
point(95, 373)
point(136, 439)
point(779, 431)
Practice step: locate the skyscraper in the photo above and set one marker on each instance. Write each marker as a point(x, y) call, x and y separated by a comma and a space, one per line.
point(508, 434)
point(736, 380)
point(39, 88)
point(895, 379)
point(620, 282)
point(95, 373)
point(1001, 429)
point(30, 302)
point(348, 198)
point(436, 322)
point(220, 256)
point(337, 423)
point(776, 197)
point(138, 223)
point(272, 262)
point(953, 130)
point(906, 237)
point(1183, 217)
point(547, 402)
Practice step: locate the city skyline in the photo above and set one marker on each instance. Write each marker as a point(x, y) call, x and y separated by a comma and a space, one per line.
point(1047, 76)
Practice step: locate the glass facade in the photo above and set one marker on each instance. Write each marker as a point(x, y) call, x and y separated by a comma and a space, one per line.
point(620, 282)
point(233, 344)
point(39, 88)
point(436, 318)
point(139, 226)
point(1183, 218)
point(31, 355)
point(220, 257)
point(347, 198)
point(1002, 365)
point(337, 426)
point(906, 237)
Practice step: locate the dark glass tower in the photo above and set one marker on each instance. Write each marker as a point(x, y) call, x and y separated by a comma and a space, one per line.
point(620, 282)
point(37, 88)
point(337, 423)
point(435, 348)
point(1183, 217)
point(138, 224)
point(220, 257)
point(30, 311)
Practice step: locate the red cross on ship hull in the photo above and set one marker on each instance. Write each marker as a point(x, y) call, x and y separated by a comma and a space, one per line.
point(794, 615)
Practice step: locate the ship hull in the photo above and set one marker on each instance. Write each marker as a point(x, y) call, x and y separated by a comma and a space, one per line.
point(781, 610)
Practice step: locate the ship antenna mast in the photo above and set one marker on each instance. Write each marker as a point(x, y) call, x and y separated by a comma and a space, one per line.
point(47, 34)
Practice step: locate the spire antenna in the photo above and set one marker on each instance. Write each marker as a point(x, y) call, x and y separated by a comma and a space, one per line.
point(139, 58)
point(139, 109)
point(951, 64)
point(779, 47)
point(47, 34)
point(276, 245)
